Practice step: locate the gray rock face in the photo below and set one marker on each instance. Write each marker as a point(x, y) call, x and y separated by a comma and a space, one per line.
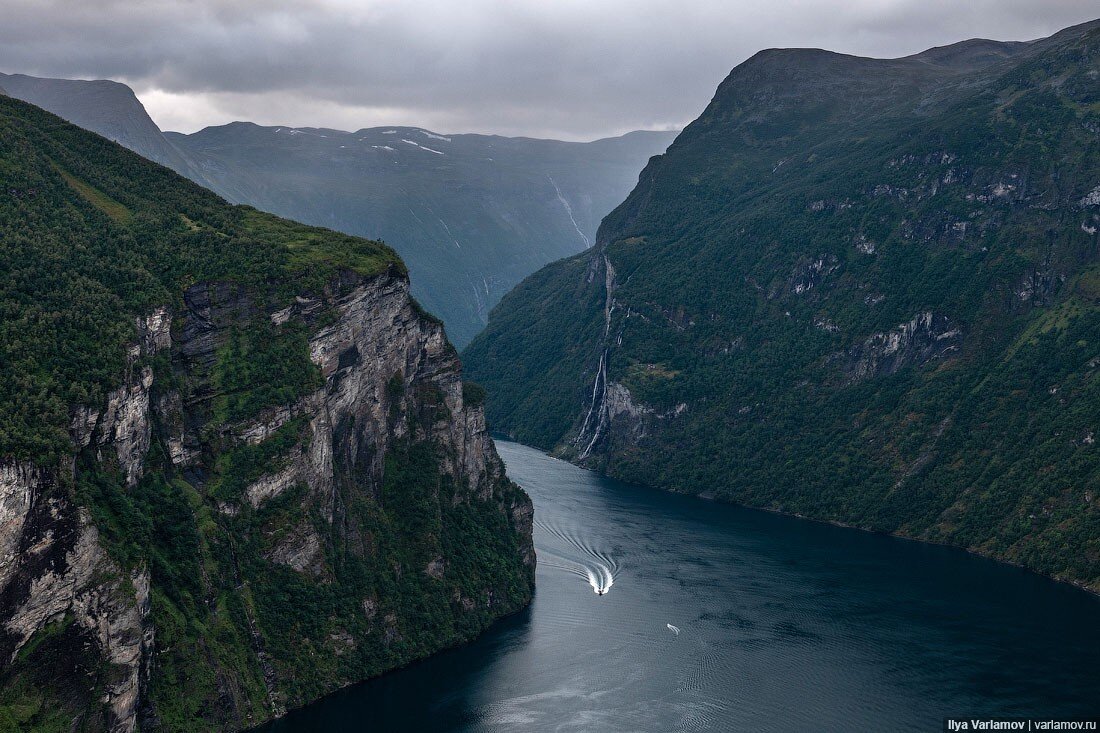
point(808, 275)
point(18, 484)
point(124, 425)
point(925, 337)
point(624, 422)
point(54, 568)
point(1038, 287)
point(377, 336)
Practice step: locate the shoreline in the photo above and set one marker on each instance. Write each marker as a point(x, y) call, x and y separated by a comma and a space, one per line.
point(711, 496)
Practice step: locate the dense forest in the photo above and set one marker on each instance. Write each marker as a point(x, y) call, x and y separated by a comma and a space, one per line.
point(857, 290)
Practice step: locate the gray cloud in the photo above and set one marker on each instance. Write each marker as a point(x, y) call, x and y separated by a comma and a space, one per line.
point(557, 68)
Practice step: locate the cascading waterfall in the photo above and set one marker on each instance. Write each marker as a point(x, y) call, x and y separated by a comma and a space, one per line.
point(597, 410)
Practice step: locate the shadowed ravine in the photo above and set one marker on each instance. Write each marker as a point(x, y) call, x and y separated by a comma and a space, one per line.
point(721, 618)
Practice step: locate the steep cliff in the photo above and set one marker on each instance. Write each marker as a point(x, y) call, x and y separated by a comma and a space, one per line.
point(241, 468)
point(860, 290)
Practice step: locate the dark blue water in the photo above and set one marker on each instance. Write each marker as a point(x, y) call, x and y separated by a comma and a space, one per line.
point(780, 625)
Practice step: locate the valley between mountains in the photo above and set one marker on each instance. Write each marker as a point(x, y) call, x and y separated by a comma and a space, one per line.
point(471, 215)
point(248, 379)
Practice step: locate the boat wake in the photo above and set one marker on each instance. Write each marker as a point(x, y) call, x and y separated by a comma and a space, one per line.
point(580, 558)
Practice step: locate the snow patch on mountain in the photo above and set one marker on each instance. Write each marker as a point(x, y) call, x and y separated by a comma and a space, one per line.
point(418, 145)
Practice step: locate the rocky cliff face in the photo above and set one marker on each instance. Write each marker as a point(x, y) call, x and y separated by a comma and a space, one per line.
point(238, 465)
point(56, 572)
point(389, 382)
point(923, 338)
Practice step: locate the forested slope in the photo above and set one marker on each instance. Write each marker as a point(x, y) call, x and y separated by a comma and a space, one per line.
point(858, 290)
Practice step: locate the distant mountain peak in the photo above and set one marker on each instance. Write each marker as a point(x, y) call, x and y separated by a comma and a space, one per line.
point(973, 53)
point(108, 108)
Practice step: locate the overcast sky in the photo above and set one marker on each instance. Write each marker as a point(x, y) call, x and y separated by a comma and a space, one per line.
point(573, 69)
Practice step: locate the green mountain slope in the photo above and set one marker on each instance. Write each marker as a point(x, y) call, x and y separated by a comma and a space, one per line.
point(238, 465)
point(471, 215)
point(106, 108)
point(858, 290)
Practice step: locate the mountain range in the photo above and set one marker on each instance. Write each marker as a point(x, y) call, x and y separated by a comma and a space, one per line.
point(471, 215)
point(859, 290)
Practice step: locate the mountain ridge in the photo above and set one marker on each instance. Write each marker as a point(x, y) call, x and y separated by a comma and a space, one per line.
point(470, 222)
point(855, 290)
point(106, 107)
point(477, 212)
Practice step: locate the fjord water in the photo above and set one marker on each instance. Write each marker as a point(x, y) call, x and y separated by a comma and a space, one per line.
point(722, 618)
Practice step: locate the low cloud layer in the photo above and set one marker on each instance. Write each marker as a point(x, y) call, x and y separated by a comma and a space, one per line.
point(568, 68)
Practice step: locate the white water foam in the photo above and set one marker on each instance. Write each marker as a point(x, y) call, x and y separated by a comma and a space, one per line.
point(597, 567)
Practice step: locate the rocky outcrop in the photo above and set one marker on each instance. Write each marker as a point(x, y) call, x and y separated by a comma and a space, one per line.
point(378, 339)
point(809, 274)
point(625, 422)
point(1039, 286)
point(1091, 199)
point(55, 570)
point(124, 425)
point(18, 482)
point(925, 337)
point(272, 485)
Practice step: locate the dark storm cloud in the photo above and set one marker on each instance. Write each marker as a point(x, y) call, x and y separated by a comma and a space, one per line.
point(553, 67)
